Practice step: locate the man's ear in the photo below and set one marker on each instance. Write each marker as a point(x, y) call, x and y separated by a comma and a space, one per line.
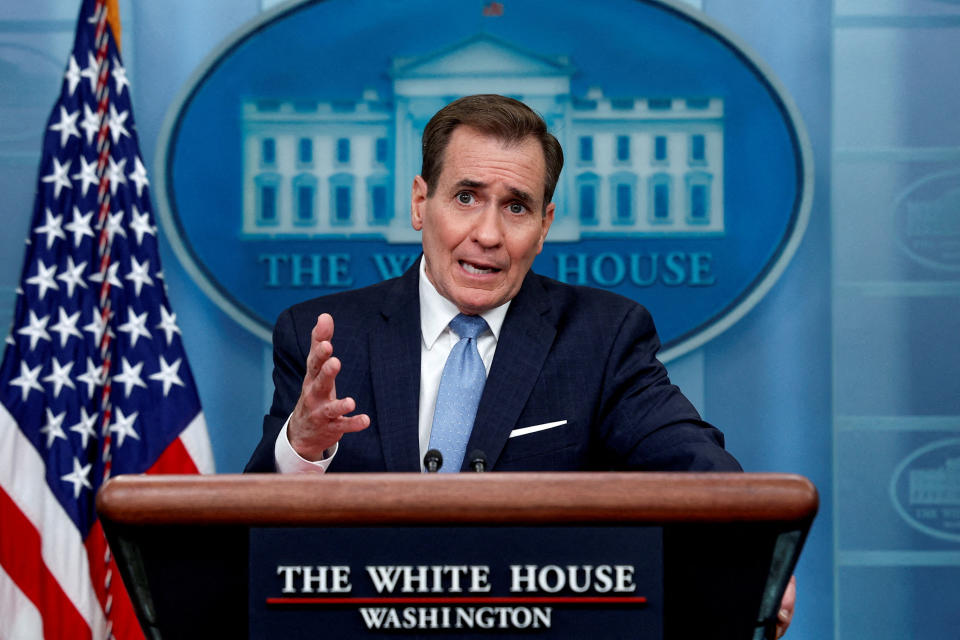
point(546, 221)
point(418, 201)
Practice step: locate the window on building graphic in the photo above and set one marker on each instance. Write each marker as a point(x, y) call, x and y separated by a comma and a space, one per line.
point(698, 148)
point(586, 149)
point(660, 199)
point(587, 192)
point(698, 203)
point(623, 148)
point(380, 150)
point(341, 199)
point(698, 103)
point(268, 205)
point(624, 203)
point(343, 150)
point(341, 211)
point(305, 151)
point(623, 186)
point(378, 200)
point(268, 151)
point(660, 148)
point(304, 204)
point(304, 199)
point(660, 104)
point(588, 204)
point(698, 194)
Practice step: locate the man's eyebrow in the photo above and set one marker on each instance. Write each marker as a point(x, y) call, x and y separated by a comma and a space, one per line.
point(521, 195)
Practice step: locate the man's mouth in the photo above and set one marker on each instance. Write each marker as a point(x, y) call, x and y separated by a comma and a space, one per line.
point(477, 269)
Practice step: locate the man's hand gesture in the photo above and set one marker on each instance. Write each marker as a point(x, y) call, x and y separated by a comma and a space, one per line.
point(319, 420)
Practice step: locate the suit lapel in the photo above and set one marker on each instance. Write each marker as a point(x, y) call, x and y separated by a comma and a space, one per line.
point(395, 372)
point(523, 346)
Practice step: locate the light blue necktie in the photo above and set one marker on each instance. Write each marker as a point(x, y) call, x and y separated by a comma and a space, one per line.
point(460, 388)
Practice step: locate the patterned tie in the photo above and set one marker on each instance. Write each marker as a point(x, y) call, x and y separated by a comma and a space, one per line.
point(460, 388)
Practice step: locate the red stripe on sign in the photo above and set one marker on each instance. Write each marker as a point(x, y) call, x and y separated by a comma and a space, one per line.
point(478, 600)
point(109, 587)
point(20, 555)
point(174, 459)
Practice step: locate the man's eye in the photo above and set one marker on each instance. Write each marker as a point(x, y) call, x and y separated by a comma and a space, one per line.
point(516, 207)
point(465, 197)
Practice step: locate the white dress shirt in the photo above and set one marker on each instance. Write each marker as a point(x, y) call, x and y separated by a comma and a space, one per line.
point(436, 342)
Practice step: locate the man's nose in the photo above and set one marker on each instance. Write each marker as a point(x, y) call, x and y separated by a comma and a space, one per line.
point(488, 229)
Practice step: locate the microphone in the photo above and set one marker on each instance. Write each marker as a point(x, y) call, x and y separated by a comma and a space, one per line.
point(432, 461)
point(478, 461)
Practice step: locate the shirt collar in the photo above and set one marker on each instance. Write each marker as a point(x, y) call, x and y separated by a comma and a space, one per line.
point(436, 312)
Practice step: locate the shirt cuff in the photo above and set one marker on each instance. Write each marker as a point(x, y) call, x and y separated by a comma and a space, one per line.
point(288, 460)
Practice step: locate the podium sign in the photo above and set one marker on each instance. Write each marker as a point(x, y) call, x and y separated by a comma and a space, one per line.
point(267, 555)
point(549, 582)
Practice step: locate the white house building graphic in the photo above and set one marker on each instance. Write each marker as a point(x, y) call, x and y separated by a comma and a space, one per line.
point(634, 165)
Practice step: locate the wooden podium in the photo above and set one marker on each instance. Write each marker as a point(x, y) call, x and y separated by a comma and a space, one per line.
point(729, 541)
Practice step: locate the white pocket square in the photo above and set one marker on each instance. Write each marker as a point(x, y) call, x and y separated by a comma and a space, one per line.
point(537, 427)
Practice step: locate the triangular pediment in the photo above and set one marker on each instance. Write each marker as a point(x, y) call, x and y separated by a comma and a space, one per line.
point(481, 55)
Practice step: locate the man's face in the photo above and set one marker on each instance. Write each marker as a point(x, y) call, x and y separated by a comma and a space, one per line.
point(485, 222)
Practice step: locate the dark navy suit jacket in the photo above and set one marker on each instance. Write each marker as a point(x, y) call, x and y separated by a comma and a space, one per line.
point(564, 353)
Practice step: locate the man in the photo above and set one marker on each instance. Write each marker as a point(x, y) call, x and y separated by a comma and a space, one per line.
point(572, 379)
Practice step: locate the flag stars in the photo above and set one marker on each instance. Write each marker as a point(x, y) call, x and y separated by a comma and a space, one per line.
point(79, 478)
point(27, 380)
point(80, 226)
point(53, 428)
point(168, 375)
point(119, 74)
point(87, 175)
point(139, 176)
point(90, 123)
point(67, 326)
point(115, 225)
point(96, 326)
point(93, 377)
point(44, 278)
point(115, 173)
point(116, 121)
point(52, 228)
point(111, 276)
point(85, 427)
point(135, 326)
point(60, 377)
point(91, 71)
point(130, 377)
point(72, 275)
point(139, 275)
point(36, 329)
point(168, 324)
point(72, 75)
point(123, 426)
point(141, 224)
point(66, 126)
point(58, 177)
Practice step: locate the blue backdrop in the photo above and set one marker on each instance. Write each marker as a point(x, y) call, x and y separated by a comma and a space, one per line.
point(847, 371)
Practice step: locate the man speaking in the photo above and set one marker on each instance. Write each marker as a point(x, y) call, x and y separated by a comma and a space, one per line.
point(470, 351)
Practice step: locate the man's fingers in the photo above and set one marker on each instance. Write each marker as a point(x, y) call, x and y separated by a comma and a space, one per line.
point(320, 345)
point(337, 408)
point(352, 424)
point(787, 606)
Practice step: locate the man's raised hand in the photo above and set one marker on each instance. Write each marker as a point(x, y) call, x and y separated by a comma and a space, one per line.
point(319, 420)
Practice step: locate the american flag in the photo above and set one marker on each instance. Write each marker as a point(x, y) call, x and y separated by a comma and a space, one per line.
point(94, 380)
